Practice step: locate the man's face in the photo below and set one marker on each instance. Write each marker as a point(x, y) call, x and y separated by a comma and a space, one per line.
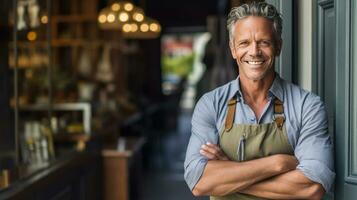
point(254, 47)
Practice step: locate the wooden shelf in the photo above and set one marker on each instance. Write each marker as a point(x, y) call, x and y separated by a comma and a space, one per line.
point(62, 43)
point(72, 137)
point(73, 18)
point(28, 44)
point(75, 42)
point(82, 42)
point(32, 67)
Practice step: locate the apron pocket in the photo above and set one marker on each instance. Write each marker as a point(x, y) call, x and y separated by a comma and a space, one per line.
point(241, 148)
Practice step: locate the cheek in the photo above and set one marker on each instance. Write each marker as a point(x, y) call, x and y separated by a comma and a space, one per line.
point(270, 53)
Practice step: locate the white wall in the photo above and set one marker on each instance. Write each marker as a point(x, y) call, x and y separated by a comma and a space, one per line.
point(305, 44)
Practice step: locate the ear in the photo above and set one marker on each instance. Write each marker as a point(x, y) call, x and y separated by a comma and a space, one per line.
point(233, 50)
point(279, 45)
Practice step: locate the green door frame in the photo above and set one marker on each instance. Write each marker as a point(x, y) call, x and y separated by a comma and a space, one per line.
point(324, 60)
point(346, 103)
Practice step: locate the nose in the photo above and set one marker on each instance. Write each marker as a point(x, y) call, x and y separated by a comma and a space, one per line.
point(254, 49)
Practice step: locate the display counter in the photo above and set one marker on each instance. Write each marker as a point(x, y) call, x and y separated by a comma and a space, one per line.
point(73, 175)
point(122, 169)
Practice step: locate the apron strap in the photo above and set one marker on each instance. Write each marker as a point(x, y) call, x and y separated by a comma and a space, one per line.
point(231, 113)
point(278, 116)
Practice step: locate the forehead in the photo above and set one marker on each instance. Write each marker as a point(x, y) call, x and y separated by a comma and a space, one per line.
point(254, 25)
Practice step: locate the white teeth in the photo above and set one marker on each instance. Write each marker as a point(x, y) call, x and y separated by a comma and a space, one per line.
point(255, 62)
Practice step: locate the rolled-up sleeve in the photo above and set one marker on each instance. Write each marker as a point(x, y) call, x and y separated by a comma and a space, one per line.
point(314, 148)
point(203, 130)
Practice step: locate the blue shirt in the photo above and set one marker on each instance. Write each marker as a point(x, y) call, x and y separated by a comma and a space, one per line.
point(306, 125)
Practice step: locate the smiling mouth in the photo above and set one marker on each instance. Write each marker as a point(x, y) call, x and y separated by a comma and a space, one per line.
point(254, 62)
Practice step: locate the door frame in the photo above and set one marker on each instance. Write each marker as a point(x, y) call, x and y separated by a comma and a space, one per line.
point(346, 99)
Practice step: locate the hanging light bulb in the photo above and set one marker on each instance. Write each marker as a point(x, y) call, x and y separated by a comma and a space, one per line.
point(127, 28)
point(144, 27)
point(134, 27)
point(102, 18)
point(129, 19)
point(111, 18)
point(154, 27)
point(115, 7)
point(137, 16)
point(123, 16)
point(128, 6)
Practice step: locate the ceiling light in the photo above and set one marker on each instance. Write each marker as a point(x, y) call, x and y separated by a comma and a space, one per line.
point(134, 27)
point(128, 6)
point(111, 18)
point(139, 17)
point(123, 16)
point(129, 19)
point(115, 6)
point(102, 18)
point(154, 27)
point(127, 28)
point(144, 27)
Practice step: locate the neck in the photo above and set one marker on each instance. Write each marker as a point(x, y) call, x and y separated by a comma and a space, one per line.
point(256, 91)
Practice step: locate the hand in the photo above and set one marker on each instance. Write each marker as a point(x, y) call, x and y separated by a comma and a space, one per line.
point(213, 152)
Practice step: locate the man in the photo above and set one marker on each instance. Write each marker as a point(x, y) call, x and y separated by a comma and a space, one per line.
point(259, 136)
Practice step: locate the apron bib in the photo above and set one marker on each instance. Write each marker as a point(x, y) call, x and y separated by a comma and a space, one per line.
point(244, 142)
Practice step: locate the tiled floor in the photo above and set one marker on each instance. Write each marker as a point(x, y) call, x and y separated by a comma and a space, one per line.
point(167, 186)
point(164, 181)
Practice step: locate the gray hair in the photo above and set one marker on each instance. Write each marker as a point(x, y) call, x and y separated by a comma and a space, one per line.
point(261, 9)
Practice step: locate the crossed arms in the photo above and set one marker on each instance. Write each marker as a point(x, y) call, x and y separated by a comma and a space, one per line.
point(273, 177)
point(209, 172)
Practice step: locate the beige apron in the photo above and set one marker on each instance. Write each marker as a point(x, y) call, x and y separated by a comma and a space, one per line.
point(243, 142)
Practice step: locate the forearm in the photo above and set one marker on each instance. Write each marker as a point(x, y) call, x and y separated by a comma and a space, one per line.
point(225, 177)
point(290, 185)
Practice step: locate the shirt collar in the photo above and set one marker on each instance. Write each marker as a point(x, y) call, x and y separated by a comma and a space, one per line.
point(276, 88)
point(234, 88)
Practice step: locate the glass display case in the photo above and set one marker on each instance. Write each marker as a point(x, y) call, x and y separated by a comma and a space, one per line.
point(25, 80)
point(30, 59)
point(58, 80)
point(34, 44)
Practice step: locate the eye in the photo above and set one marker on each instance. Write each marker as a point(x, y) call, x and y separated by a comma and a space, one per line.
point(242, 44)
point(264, 43)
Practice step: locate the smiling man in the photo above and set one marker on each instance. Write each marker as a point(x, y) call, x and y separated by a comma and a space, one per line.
point(259, 137)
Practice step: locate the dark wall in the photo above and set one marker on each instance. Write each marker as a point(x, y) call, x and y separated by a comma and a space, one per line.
point(6, 118)
point(183, 12)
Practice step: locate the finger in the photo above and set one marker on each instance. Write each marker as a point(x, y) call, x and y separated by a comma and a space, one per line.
point(208, 155)
point(212, 156)
point(219, 153)
point(210, 149)
point(216, 147)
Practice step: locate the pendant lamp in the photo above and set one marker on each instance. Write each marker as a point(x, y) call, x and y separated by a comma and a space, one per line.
point(129, 19)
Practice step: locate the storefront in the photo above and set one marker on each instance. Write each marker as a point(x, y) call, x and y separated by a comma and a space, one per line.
point(93, 93)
